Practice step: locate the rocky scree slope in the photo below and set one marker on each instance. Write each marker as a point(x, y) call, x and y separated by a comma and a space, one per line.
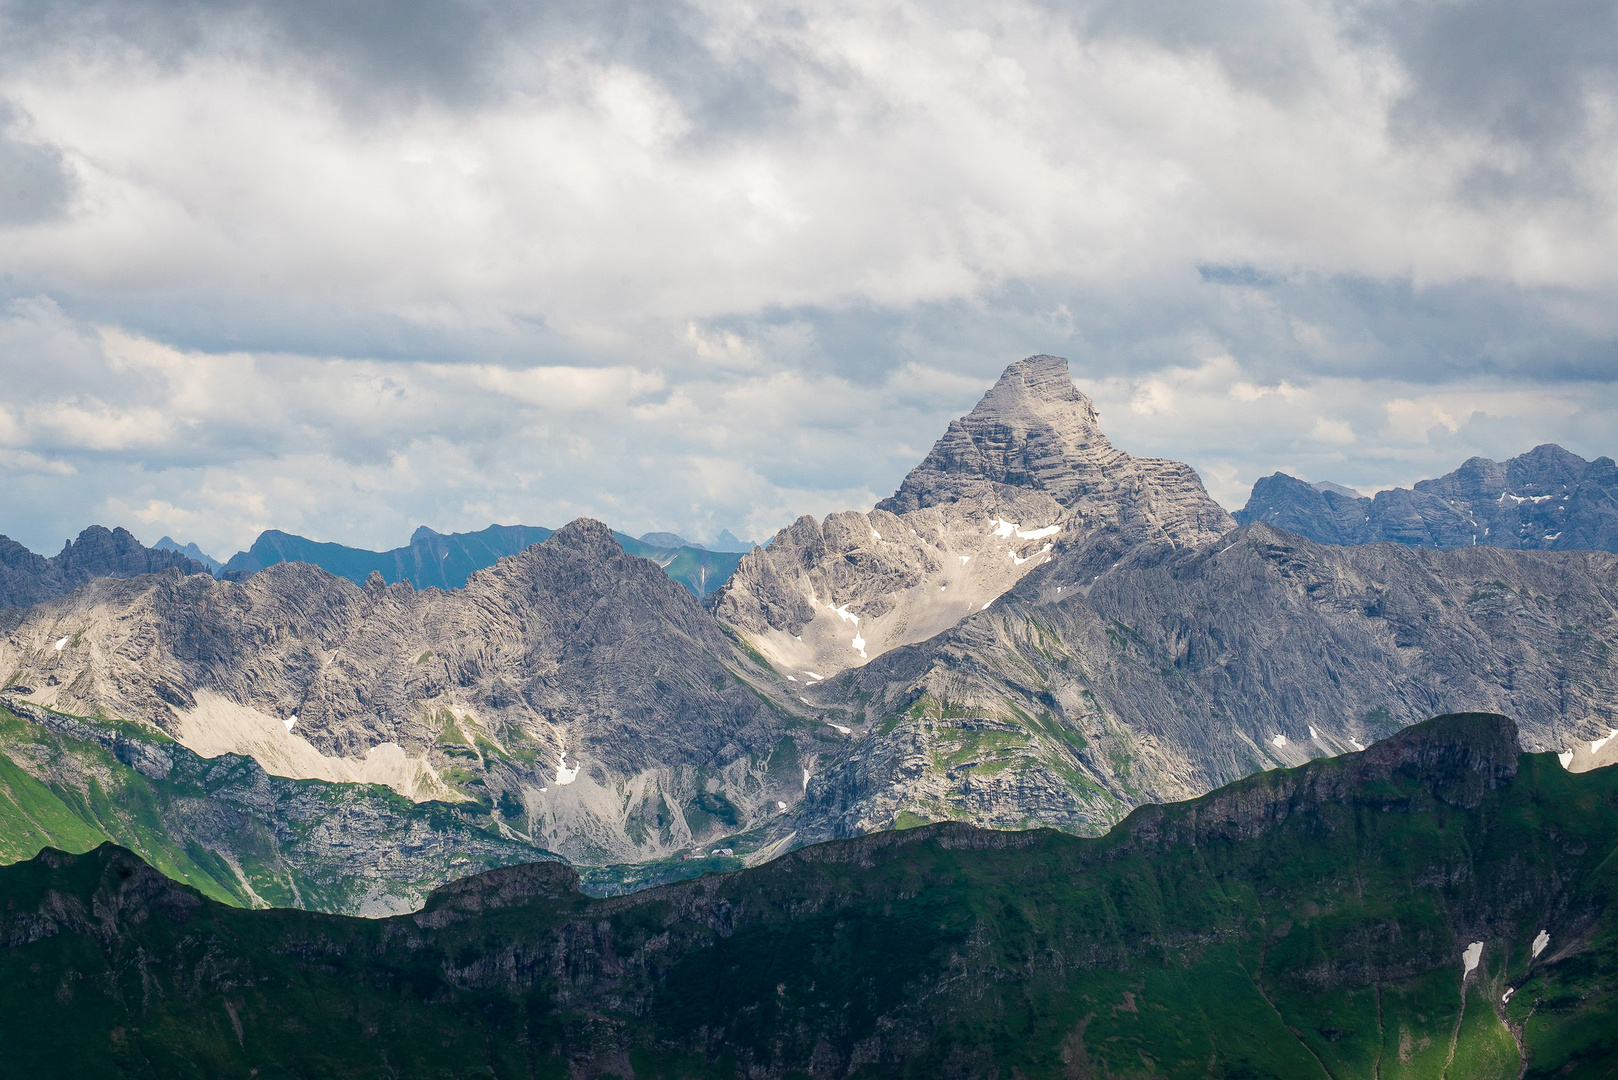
point(1071, 702)
point(225, 826)
point(1545, 500)
point(574, 689)
point(27, 579)
point(1436, 906)
point(1025, 477)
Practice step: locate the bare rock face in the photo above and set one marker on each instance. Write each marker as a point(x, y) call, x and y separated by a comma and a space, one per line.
point(1024, 478)
point(1180, 670)
point(1545, 500)
point(27, 579)
point(575, 690)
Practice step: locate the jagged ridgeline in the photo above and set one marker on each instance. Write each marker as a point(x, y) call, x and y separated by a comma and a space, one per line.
point(1035, 629)
point(1440, 905)
point(1547, 499)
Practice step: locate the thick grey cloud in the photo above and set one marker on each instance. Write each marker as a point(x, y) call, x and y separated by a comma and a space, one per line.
point(34, 184)
point(708, 264)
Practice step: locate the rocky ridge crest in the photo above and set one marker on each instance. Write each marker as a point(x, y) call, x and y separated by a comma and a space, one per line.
point(1547, 499)
point(1024, 478)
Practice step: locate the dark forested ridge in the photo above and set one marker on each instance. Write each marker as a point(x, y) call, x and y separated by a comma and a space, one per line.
point(1438, 905)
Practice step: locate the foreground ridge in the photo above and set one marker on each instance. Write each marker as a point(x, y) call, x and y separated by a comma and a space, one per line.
point(1439, 904)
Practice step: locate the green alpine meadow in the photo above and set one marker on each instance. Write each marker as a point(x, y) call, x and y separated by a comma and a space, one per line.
point(1438, 905)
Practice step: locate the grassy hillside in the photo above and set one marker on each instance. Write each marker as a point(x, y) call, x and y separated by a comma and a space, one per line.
point(225, 827)
point(1303, 923)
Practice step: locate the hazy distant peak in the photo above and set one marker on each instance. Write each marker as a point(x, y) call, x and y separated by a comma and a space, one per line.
point(190, 551)
point(669, 540)
point(729, 541)
point(1336, 489)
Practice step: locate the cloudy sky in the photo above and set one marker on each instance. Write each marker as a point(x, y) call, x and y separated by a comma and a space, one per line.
point(343, 267)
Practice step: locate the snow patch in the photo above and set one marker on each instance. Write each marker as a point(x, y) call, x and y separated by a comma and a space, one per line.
point(60, 645)
point(792, 678)
point(987, 602)
point(1279, 740)
point(779, 805)
point(1312, 734)
point(1597, 744)
point(1566, 758)
point(1002, 528)
point(1470, 958)
point(565, 775)
point(1040, 534)
point(1542, 940)
point(813, 675)
point(1355, 743)
point(858, 644)
point(965, 559)
point(842, 613)
point(806, 779)
point(841, 730)
point(1505, 997)
point(289, 721)
point(876, 534)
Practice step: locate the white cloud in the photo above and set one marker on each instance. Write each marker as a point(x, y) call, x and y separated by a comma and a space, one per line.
point(747, 260)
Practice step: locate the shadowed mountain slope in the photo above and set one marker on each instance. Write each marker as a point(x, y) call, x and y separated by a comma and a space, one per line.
point(1436, 906)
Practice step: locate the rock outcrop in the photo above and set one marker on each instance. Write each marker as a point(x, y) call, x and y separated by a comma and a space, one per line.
point(1545, 500)
point(1026, 477)
point(27, 578)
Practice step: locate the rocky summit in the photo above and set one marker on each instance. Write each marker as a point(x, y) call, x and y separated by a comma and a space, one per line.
point(1025, 478)
point(1545, 500)
point(27, 578)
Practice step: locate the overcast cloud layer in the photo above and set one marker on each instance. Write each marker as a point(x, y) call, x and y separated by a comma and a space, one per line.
point(346, 268)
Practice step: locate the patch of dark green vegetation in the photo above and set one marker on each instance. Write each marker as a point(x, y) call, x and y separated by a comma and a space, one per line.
point(1303, 923)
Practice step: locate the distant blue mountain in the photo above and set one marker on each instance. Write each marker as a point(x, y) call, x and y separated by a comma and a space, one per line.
point(190, 551)
point(728, 541)
point(673, 541)
point(445, 561)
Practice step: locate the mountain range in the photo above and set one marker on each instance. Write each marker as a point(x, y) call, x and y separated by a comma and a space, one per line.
point(1545, 500)
point(1439, 905)
point(1036, 629)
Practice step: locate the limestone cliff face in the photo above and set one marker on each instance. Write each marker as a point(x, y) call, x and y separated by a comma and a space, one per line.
point(1180, 670)
point(27, 579)
point(572, 685)
point(1026, 477)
